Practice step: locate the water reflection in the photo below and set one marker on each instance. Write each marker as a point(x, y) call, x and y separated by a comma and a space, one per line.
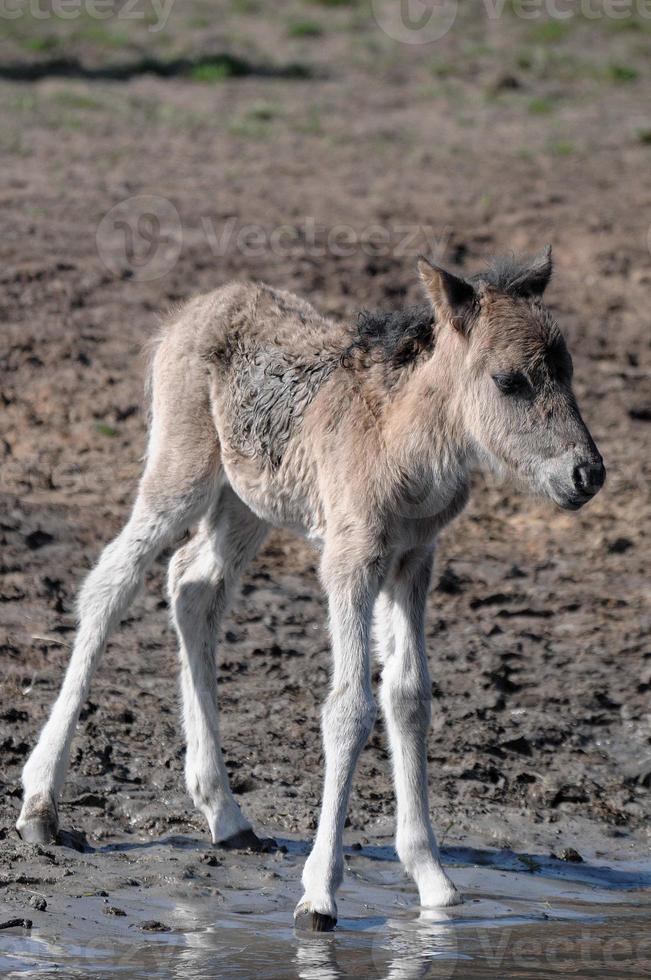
point(316, 959)
point(237, 924)
point(404, 949)
point(426, 946)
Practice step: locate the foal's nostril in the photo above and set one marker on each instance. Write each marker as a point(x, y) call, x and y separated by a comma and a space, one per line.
point(589, 477)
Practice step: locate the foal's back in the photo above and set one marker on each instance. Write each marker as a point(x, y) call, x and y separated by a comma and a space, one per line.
point(234, 384)
point(247, 316)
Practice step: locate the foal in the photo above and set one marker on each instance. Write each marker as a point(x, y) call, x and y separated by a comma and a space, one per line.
point(264, 413)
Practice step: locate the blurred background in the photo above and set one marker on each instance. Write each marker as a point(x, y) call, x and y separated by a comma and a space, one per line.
point(150, 151)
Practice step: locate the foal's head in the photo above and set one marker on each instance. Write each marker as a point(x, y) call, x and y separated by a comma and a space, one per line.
point(513, 386)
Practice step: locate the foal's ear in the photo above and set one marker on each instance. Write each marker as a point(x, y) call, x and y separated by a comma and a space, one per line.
point(535, 277)
point(451, 296)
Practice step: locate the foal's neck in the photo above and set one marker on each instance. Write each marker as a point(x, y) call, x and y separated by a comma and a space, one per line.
point(423, 425)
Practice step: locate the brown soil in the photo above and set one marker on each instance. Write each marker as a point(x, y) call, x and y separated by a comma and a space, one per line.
point(494, 138)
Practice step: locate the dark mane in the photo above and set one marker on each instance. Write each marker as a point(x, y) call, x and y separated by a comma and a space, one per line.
point(506, 274)
point(395, 338)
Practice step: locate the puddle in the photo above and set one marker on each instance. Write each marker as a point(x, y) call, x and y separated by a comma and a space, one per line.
point(524, 916)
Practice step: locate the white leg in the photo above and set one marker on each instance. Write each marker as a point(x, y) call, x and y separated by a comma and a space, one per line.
point(104, 598)
point(406, 703)
point(201, 580)
point(348, 717)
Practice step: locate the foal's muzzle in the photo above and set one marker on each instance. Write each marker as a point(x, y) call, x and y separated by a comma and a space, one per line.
point(587, 478)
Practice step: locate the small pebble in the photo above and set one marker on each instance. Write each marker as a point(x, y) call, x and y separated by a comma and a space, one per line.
point(113, 910)
point(569, 854)
point(619, 546)
point(211, 860)
point(151, 925)
point(38, 903)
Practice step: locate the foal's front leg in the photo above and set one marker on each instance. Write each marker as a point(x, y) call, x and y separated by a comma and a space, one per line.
point(406, 702)
point(348, 717)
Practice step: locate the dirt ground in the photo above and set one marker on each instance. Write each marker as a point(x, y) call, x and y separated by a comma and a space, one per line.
point(504, 134)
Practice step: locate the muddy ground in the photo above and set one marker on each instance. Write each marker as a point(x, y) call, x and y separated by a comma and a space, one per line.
point(504, 134)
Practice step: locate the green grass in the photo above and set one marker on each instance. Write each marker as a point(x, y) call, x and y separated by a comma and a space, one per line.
point(524, 61)
point(13, 144)
point(540, 106)
point(445, 832)
point(632, 23)
point(304, 28)
point(103, 36)
point(563, 148)
point(255, 123)
point(443, 69)
point(262, 112)
point(549, 31)
point(529, 862)
point(24, 102)
point(485, 201)
point(250, 129)
point(311, 126)
point(68, 99)
point(221, 66)
point(212, 70)
point(547, 62)
point(104, 429)
point(48, 42)
point(619, 73)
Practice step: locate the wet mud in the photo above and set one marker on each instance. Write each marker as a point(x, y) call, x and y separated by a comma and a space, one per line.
point(538, 622)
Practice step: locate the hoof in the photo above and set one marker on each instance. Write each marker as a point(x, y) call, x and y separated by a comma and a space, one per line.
point(38, 822)
point(452, 898)
point(307, 920)
point(247, 840)
point(444, 899)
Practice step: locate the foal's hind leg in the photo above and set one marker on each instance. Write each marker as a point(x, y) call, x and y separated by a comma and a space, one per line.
point(406, 698)
point(173, 493)
point(104, 598)
point(201, 580)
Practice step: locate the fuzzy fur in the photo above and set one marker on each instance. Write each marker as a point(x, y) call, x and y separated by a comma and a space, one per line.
point(265, 413)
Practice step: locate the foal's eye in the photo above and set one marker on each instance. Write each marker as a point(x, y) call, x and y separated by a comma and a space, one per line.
point(511, 384)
